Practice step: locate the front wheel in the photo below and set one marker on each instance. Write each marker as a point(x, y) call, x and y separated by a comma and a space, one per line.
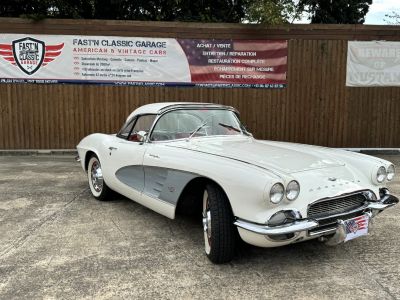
point(98, 187)
point(219, 231)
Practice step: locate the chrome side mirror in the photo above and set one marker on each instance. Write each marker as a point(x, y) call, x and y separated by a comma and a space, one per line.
point(141, 136)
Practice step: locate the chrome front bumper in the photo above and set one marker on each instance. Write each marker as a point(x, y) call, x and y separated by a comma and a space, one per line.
point(373, 208)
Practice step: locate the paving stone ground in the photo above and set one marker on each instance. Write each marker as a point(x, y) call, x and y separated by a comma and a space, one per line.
point(56, 241)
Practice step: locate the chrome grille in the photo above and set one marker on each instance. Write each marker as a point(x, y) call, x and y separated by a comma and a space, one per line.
point(330, 207)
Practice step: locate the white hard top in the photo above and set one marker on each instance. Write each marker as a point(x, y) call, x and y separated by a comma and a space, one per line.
point(155, 108)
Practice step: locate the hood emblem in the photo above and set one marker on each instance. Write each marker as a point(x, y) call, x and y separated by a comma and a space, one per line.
point(332, 178)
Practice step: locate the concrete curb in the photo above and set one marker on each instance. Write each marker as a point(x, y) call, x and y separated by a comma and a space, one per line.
point(16, 152)
point(375, 151)
point(380, 152)
point(38, 152)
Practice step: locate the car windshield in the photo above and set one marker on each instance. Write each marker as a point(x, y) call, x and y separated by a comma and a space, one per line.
point(188, 123)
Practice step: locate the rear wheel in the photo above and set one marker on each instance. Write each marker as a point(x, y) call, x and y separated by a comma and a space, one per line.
point(219, 231)
point(97, 185)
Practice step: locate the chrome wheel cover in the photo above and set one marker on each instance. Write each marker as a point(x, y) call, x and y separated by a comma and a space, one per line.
point(96, 176)
point(206, 223)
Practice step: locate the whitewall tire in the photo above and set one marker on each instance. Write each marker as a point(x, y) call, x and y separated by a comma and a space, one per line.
point(97, 185)
point(219, 231)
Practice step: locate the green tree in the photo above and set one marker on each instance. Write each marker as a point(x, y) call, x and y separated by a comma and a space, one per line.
point(211, 10)
point(154, 10)
point(24, 8)
point(337, 11)
point(273, 11)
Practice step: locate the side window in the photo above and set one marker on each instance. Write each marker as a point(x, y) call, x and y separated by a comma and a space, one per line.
point(143, 123)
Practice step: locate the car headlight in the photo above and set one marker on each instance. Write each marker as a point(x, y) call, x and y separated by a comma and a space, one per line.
point(276, 193)
point(292, 190)
point(381, 174)
point(390, 172)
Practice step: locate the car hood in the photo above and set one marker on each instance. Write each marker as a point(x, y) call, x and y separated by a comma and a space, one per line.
point(284, 157)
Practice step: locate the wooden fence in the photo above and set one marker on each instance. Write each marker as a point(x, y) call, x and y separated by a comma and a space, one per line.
point(315, 108)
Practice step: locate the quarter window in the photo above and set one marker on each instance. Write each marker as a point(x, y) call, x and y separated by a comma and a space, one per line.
point(143, 123)
point(126, 129)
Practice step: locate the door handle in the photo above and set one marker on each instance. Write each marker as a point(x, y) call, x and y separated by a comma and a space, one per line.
point(112, 148)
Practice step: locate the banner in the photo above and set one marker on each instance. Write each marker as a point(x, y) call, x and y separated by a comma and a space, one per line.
point(373, 64)
point(142, 61)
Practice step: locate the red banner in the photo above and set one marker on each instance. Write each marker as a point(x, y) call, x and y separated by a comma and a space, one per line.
point(241, 63)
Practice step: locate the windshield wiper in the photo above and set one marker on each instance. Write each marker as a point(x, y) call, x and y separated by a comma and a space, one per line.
point(201, 126)
point(229, 126)
point(197, 129)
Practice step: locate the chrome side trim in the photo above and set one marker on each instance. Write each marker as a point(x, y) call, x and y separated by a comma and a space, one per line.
point(297, 226)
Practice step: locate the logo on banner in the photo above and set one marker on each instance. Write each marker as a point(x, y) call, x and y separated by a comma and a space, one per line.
point(30, 54)
point(378, 56)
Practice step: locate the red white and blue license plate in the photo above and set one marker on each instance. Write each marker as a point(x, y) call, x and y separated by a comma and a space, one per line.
point(356, 227)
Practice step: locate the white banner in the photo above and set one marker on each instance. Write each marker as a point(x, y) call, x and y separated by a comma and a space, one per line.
point(375, 63)
point(142, 61)
point(100, 59)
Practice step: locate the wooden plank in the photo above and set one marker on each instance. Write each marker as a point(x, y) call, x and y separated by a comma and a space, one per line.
point(315, 108)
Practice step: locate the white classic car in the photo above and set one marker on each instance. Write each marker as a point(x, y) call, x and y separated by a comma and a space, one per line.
point(197, 156)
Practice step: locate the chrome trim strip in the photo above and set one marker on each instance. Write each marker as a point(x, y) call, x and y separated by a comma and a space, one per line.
point(158, 199)
point(323, 231)
point(195, 105)
point(297, 226)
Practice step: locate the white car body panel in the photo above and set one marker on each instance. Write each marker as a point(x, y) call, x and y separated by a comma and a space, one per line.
point(245, 168)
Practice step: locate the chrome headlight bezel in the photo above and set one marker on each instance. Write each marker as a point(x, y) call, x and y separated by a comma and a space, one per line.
point(276, 193)
point(381, 174)
point(390, 172)
point(292, 190)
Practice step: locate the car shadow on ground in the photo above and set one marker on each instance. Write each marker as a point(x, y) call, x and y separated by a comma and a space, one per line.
point(187, 229)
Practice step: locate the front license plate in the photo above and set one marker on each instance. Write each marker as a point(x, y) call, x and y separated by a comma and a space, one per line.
point(356, 227)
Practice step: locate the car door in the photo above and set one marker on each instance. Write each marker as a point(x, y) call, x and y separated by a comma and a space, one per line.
point(124, 162)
